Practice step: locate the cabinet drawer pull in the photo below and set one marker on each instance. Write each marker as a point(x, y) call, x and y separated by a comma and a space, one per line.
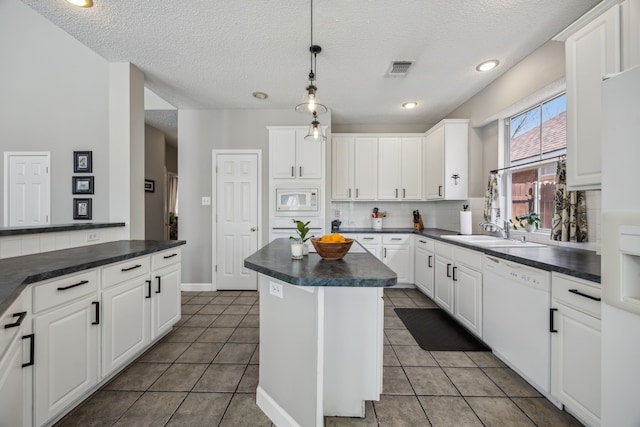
point(158, 278)
point(80, 283)
point(448, 270)
point(32, 349)
point(96, 304)
point(396, 238)
point(367, 238)
point(577, 292)
point(18, 322)
point(552, 329)
point(148, 289)
point(422, 241)
point(169, 256)
point(455, 278)
point(132, 268)
point(429, 261)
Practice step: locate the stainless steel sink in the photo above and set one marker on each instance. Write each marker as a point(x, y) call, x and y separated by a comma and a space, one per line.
point(484, 241)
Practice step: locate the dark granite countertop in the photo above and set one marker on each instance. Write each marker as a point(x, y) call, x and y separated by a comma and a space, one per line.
point(18, 272)
point(354, 270)
point(13, 231)
point(572, 262)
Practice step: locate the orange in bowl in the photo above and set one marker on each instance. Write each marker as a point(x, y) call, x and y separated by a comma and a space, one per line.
point(332, 249)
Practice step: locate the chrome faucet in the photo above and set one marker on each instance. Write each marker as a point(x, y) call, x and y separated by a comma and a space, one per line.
point(493, 227)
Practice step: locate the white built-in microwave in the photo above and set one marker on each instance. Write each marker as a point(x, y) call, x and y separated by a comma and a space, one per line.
point(302, 201)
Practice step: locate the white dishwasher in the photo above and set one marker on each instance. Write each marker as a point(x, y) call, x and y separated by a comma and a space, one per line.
point(516, 302)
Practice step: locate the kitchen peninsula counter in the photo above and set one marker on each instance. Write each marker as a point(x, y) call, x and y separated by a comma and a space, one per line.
point(321, 333)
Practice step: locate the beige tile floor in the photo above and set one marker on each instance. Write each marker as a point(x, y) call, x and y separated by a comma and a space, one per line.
point(205, 372)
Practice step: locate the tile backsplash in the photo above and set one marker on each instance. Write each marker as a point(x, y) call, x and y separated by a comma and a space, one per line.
point(446, 215)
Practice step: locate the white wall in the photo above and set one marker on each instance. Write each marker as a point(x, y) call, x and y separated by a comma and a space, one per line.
point(54, 97)
point(199, 132)
point(154, 169)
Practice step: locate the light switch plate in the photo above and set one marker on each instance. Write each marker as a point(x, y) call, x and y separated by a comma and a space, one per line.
point(206, 201)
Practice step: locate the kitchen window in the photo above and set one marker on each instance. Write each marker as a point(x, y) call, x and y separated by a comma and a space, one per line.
point(536, 137)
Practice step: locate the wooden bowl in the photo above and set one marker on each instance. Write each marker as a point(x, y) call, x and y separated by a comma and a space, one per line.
point(332, 250)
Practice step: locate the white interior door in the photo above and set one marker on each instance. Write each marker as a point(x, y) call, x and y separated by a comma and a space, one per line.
point(237, 220)
point(28, 190)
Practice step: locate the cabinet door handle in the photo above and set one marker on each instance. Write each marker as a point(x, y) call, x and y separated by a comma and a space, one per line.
point(429, 261)
point(293, 171)
point(148, 288)
point(440, 190)
point(385, 252)
point(404, 193)
point(577, 292)
point(18, 322)
point(172, 255)
point(32, 349)
point(367, 238)
point(423, 241)
point(131, 268)
point(396, 193)
point(552, 329)
point(455, 278)
point(448, 270)
point(301, 171)
point(396, 238)
point(357, 193)
point(64, 288)
point(159, 279)
point(97, 305)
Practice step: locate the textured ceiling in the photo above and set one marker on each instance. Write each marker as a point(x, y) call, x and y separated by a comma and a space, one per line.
point(214, 54)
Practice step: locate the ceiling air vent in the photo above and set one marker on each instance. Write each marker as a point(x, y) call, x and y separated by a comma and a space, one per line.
point(399, 68)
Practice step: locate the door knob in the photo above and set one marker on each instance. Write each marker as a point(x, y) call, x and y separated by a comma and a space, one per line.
point(253, 229)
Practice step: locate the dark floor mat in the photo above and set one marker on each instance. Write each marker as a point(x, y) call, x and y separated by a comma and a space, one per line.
point(435, 330)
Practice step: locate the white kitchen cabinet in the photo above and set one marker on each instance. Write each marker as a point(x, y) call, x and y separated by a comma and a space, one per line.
point(445, 159)
point(126, 324)
point(424, 265)
point(66, 356)
point(592, 52)
point(354, 167)
point(291, 157)
point(371, 242)
point(575, 347)
point(165, 306)
point(443, 278)
point(397, 254)
point(16, 363)
point(400, 168)
point(467, 290)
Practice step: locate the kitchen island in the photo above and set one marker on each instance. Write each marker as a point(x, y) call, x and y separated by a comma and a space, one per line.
point(321, 333)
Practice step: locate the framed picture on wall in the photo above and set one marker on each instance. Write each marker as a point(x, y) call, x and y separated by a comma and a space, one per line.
point(149, 185)
point(82, 162)
point(82, 184)
point(82, 209)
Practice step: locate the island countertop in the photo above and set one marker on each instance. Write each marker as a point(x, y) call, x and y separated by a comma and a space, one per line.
point(358, 268)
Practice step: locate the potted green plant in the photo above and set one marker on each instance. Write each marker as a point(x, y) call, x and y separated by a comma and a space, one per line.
point(529, 222)
point(302, 229)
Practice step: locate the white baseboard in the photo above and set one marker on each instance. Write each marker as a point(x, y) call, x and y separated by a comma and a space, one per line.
point(197, 287)
point(275, 412)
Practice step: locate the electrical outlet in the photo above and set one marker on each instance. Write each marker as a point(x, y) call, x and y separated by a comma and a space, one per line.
point(206, 201)
point(92, 237)
point(337, 213)
point(275, 289)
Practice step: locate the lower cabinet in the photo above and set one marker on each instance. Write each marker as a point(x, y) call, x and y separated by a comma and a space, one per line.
point(397, 254)
point(165, 300)
point(458, 284)
point(424, 265)
point(66, 356)
point(575, 347)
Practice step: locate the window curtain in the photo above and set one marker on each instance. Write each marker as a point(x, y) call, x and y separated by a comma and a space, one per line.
point(569, 210)
point(173, 193)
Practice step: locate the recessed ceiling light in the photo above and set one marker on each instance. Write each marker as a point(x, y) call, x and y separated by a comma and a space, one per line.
point(260, 95)
point(488, 65)
point(409, 105)
point(81, 3)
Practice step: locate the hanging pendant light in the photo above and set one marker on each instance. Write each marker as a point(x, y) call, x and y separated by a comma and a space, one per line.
point(310, 102)
point(316, 133)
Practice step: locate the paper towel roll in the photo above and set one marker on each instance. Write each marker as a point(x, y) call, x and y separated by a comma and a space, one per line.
point(465, 222)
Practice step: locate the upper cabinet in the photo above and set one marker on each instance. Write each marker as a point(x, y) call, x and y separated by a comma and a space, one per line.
point(445, 160)
point(291, 157)
point(606, 40)
point(400, 168)
point(354, 166)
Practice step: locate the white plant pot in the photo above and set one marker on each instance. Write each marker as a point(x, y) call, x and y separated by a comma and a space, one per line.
point(529, 227)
